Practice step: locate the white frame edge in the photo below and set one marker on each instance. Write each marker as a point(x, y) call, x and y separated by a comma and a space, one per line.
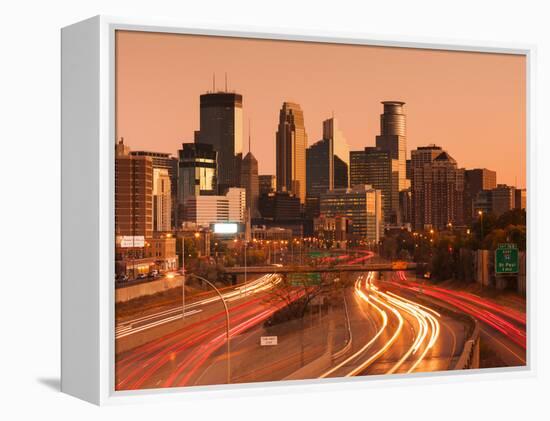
point(88, 131)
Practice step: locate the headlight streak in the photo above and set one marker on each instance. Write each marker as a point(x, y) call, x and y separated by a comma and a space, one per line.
point(428, 325)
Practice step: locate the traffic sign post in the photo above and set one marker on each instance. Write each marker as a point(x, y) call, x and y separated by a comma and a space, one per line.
point(506, 259)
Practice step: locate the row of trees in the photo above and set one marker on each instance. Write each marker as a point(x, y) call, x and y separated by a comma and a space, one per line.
point(449, 253)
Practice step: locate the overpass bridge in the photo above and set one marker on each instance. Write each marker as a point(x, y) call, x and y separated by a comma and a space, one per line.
point(374, 267)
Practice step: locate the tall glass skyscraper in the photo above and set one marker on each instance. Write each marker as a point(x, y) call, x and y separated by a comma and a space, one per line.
point(221, 125)
point(291, 142)
point(393, 139)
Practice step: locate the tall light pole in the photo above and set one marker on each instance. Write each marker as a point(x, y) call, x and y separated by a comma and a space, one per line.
point(480, 213)
point(227, 326)
point(183, 277)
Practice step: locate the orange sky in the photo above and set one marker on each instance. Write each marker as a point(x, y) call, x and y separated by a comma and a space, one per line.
point(471, 104)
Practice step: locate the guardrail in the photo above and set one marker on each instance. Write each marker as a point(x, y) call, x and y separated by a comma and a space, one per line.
point(469, 358)
point(349, 341)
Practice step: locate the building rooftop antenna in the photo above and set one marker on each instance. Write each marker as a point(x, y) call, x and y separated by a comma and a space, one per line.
point(225, 81)
point(249, 137)
point(213, 82)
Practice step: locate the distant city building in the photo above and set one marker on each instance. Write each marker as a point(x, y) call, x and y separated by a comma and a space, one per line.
point(268, 183)
point(221, 125)
point(503, 199)
point(521, 199)
point(405, 206)
point(168, 162)
point(162, 250)
point(250, 182)
point(327, 161)
point(134, 194)
point(262, 232)
point(358, 168)
point(476, 180)
point(196, 173)
point(133, 211)
point(362, 205)
point(280, 206)
point(483, 202)
point(437, 192)
point(332, 230)
point(291, 142)
point(393, 138)
point(162, 200)
point(206, 210)
point(408, 171)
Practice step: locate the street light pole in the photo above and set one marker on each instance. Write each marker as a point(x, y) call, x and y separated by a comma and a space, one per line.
point(183, 277)
point(227, 326)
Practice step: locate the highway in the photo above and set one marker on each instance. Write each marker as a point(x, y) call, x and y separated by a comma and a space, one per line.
point(393, 334)
point(382, 326)
point(502, 328)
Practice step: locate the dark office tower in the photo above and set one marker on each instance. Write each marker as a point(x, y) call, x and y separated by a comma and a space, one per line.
point(408, 169)
point(382, 173)
point(196, 173)
point(393, 139)
point(327, 161)
point(357, 168)
point(279, 206)
point(438, 193)
point(291, 142)
point(476, 180)
point(340, 153)
point(268, 183)
point(164, 161)
point(250, 182)
point(221, 126)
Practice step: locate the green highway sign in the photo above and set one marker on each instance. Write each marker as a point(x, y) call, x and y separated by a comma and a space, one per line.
point(319, 254)
point(506, 259)
point(305, 279)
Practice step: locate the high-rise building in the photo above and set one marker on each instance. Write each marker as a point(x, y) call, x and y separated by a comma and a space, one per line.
point(133, 194)
point(221, 125)
point(196, 173)
point(162, 200)
point(476, 180)
point(291, 142)
point(521, 199)
point(437, 192)
point(503, 199)
point(362, 204)
point(162, 160)
point(327, 161)
point(268, 183)
point(206, 210)
point(393, 139)
point(357, 168)
point(133, 211)
point(279, 206)
point(250, 182)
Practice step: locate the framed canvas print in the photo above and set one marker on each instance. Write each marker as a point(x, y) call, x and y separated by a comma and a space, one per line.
point(244, 210)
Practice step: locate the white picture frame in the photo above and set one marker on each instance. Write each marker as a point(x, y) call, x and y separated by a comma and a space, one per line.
point(88, 136)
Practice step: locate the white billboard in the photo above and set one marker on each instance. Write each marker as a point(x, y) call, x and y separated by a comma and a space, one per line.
point(126, 241)
point(226, 228)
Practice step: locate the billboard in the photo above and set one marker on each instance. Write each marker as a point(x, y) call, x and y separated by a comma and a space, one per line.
point(226, 228)
point(127, 241)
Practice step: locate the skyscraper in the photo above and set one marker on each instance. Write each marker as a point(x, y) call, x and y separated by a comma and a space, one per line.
point(196, 173)
point(437, 192)
point(361, 204)
point(250, 182)
point(476, 180)
point(327, 161)
point(221, 125)
point(162, 200)
point(393, 139)
point(268, 183)
point(166, 161)
point(291, 142)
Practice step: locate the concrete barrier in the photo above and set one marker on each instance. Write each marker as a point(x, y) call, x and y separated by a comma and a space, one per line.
point(127, 293)
point(470, 354)
point(349, 341)
point(312, 370)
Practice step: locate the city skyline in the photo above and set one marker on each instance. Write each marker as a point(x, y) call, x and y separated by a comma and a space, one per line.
point(150, 66)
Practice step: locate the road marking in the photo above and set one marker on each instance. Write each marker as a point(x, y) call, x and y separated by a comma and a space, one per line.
point(502, 343)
